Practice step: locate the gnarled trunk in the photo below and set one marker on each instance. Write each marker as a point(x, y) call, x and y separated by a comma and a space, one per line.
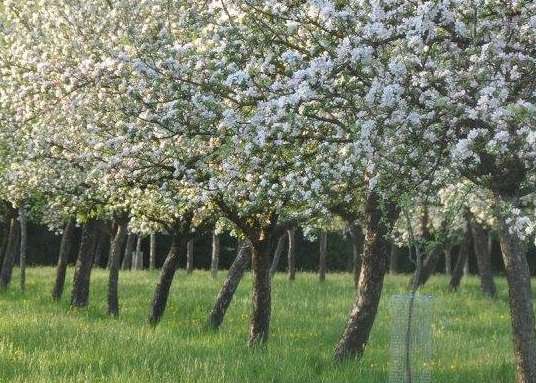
point(463, 255)
point(63, 259)
point(84, 263)
point(161, 293)
point(9, 256)
point(292, 254)
point(113, 277)
point(363, 314)
point(483, 258)
point(225, 296)
point(262, 292)
point(521, 307)
point(277, 254)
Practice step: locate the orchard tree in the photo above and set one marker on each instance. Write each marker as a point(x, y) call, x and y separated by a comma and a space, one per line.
point(485, 75)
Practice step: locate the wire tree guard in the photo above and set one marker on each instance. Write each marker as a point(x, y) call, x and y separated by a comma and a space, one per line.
point(411, 338)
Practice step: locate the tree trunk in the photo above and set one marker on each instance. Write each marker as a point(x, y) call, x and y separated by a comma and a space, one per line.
point(394, 261)
point(226, 294)
point(7, 264)
point(277, 254)
point(463, 255)
point(356, 235)
point(138, 255)
point(101, 240)
point(215, 260)
point(63, 259)
point(190, 257)
point(483, 258)
point(152, 252)
point(167, 274)
point(428, 268)
point(261, 297)
point(466, 266)
point(16, 249)
point(521, 307)
point(113, 232)
point(448, 260)
point(23, 246)
point(322, 260)
point(113, 277)
point(5, 238)
point(356, 334)
point(129, 252)
point(84, 263)
point(292, 254)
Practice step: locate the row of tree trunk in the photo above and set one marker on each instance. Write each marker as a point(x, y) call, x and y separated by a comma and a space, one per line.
point(14, 243)
point(259, 253)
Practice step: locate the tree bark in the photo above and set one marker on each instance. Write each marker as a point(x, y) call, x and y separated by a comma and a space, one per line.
point(9, 257)
point(463, 255)
point(483, 258)
point(357, 331)
point(113, 277)
point(226, 294)
point(63, 259)
point(322, 260)
point(261, 297)
point(292, 254)
point(190, 257)
point(152, 252)
point(356, 235)
point(215, 260)
point(277, 254)
point(23, 246)
point(129, 250)
point(84, 263)
point(521, 307)
point(161, 293)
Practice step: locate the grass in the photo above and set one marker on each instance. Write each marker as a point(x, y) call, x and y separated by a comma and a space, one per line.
point(42, 341)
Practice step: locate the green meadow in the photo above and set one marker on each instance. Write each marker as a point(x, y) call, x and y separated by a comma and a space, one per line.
point(44, 341)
